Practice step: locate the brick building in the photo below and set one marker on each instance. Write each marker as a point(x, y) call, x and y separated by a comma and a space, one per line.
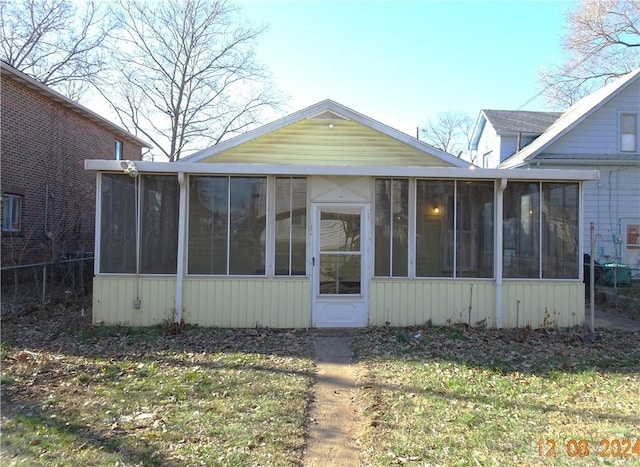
point(48, 199)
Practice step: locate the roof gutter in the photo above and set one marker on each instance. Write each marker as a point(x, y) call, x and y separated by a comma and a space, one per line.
point(347, 170)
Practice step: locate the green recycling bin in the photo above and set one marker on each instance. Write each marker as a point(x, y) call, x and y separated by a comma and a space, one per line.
point(616, 274)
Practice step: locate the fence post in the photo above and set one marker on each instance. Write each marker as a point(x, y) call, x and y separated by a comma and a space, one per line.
point(44, 285)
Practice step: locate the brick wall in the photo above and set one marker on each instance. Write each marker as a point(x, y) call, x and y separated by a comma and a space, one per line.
point(42, 149)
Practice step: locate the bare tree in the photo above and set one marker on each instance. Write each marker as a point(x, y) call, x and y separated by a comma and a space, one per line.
point(602, 41)
point(449, 132)
point(188, 77)
point(58, 42)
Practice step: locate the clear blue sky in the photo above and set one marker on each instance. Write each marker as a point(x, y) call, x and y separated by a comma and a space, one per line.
point(403, 62)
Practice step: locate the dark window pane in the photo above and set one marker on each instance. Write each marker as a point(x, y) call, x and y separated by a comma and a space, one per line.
point(434, 228)
point(291, 226)
point(474, 229)
point(208, 225)
point(391, 227)
point(118, 224)
point(159, 224)
point(247, 224)
point(560, 231)
point(521, 230)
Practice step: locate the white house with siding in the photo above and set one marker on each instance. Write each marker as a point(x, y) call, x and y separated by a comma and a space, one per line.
point(600, 132)
point(498, 134)
point(328, 218)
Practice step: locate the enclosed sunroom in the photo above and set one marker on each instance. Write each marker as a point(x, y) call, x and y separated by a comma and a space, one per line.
point(327, 218)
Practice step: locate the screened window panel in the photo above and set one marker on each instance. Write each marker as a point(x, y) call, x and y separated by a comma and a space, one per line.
point(434, 228)
point(521, 230)
point(392, 228)
point(291, 226)
point(382, 237)
point(208, 225)
point(160, 196)
point(118, 224)
point(560, 231)
point(247, 225)
point(474, 229)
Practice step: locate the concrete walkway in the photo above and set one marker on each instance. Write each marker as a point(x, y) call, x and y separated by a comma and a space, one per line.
point(334, 422)
point(610, 320)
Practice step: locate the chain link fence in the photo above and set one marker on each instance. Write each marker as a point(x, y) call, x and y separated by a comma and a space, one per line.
point(29, 287)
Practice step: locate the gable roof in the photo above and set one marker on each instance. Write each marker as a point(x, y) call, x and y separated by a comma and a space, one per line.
point(512, 122)
point(328, 110)
point(69, 104)
point(574, 115)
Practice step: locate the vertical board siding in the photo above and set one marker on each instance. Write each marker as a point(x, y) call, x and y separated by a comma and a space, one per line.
point(407, 303)
point(551, 304)
point(113, 299)
point(246, 303)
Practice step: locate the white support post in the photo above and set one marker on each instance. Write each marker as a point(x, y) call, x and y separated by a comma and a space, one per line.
point(498, 250)
point(182, 235)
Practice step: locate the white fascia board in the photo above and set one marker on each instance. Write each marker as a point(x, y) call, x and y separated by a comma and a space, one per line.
point(225, 168)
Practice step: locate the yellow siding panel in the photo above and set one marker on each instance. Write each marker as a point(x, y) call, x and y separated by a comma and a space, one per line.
point(312, 141)
point(113, 298)
point(246, 303)
point(414, 302)
point(543, 304)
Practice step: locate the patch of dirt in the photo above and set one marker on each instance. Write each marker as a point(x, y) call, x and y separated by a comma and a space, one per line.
point(623, 301)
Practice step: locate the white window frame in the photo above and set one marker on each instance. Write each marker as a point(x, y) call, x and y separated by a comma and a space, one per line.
point(621, 132)
point(11, 212)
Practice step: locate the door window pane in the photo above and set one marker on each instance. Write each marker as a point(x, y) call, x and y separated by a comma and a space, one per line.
point(339, 231)
point(340, 257)
point(339, 274)
point(434, 228)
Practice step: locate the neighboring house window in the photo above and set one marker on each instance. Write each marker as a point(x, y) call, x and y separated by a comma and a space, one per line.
point(633, 246)
point(540, 230)
point(391, 228)
point(291, 226)
point(227, 225)
point(118, 150)
point(124, 248)
point(11, 212)
point(454, 228)
point(628, 132)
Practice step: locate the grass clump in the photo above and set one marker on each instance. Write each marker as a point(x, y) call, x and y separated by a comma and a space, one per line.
point(482, 397)
point(122, 396)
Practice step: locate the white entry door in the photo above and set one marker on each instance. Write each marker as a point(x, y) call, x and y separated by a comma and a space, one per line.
point(340, 274)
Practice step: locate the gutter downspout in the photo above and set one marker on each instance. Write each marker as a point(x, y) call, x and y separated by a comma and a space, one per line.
point(499, 242)
point(182, 226)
